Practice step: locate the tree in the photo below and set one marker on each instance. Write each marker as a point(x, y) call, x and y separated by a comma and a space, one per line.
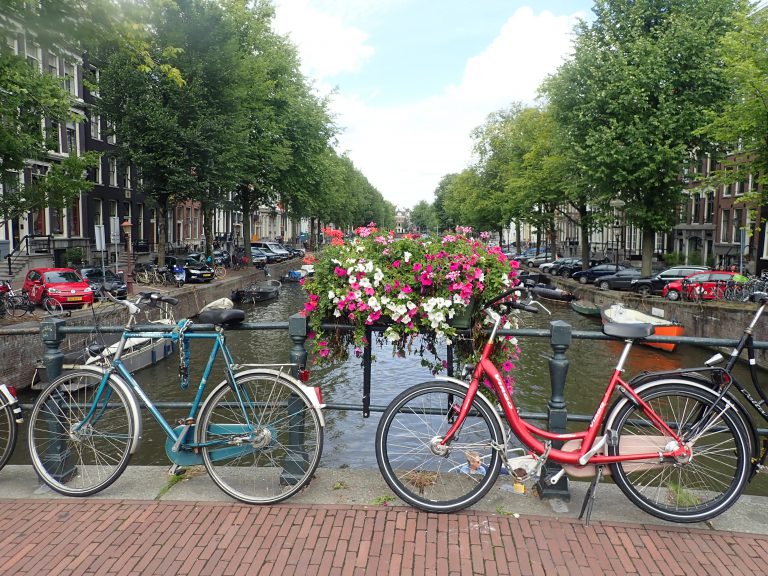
point(642, 76)
point(743, 123)
point(27, 97)
point(423, 217)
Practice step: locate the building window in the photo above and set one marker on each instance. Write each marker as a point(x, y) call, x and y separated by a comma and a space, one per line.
point(70, 79)
point(736, 230)
point(113, 208)
point(709, 211)
point(53, 64)
point(97, 172)
point(57, 221)
point(696, 217)
point(12, 44)
point(752, 183)
point(74, 218)
point(111, 132)
point(72, 147)
point(98, 214)
point(725, 225)
point(33, 55)
point(113, 174)
point(128, 177)
point(140, 225)
point(95, 127)
point(54, 137)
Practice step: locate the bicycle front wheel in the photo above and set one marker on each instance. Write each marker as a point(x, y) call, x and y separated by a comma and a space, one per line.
point(691, 489)
point(430, 476)
point(7, 433)
point(80, 442)
point(52, 306)
point(18, 306)
point(220, 272)
point(265, 446)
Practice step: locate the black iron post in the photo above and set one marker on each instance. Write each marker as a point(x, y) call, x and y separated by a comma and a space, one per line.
point(557, 415)
point(295, 461)
point(56, 458)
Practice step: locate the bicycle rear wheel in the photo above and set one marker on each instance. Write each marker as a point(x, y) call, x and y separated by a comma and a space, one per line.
point(411, 460)
point(18, 306)
point(266, 448)
point(692, 490)
point(8, 432)
point(75, 453)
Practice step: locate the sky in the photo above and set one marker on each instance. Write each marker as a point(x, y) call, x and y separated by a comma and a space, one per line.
point(410, 79)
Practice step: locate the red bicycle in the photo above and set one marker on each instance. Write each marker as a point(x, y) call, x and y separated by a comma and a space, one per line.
point(678, 450)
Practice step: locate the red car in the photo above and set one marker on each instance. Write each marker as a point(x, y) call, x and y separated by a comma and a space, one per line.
point(707, 285)
point(64, 285)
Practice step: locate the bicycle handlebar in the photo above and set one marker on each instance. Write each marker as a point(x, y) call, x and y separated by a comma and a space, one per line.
point(516, 305)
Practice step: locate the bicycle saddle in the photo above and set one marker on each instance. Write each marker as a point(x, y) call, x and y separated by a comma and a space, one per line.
point(222, 317)
point(628, 330)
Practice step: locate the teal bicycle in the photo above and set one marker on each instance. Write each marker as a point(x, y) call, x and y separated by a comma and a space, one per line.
point(259, 433)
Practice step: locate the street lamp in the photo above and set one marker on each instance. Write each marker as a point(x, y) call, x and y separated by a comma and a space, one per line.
point(618, 207)
point(126, 226)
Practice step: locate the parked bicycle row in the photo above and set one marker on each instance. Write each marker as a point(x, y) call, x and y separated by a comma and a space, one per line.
point(678, 443)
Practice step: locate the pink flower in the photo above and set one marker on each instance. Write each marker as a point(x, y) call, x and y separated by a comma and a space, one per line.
point(426, 280)
point(417, 266)
point(396, 264)
point(508, 366)
point(339, 271)
point(370, 291)
point(325, 352)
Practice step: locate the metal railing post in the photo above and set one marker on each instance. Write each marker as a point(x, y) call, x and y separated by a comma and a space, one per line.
point(57, 456)
point(557, 414)
point(295, 461)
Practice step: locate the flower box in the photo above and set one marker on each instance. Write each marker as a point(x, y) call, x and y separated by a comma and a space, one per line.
point(417, 287)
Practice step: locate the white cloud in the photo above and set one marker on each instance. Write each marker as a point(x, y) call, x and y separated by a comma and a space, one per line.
point(405, 150)
point(327, 46)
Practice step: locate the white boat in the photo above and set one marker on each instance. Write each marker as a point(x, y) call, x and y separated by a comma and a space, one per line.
point(662, 327)
point(138, 352)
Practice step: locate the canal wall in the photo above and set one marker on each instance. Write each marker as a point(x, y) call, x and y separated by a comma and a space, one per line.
point(710, 319)
point(22, 346)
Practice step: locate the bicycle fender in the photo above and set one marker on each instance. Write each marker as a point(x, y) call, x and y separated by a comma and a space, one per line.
point(700, 383)
point(482, 399)
point(118, 381)
point(308, 391)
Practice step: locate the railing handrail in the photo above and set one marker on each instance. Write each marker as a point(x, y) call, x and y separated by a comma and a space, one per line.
point(24, 243)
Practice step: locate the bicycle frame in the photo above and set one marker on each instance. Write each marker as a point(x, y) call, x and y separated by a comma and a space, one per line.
point(178, 335)
point(527, 433)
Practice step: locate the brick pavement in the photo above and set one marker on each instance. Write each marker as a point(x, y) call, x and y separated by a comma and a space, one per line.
point(63, 537)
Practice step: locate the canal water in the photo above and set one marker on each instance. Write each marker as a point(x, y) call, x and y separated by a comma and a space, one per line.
point(348, 436)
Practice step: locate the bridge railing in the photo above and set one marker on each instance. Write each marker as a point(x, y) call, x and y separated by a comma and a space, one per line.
point(53, 331)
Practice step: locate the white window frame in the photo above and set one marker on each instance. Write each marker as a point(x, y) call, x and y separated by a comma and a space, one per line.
point(95, 123)
point(36, 55)
point(53, 58)
point(725, 225)
point(113, 174)
point(70, 79)
point(98, 216)
point(55, 130)
point(72, 125)
point(736, 225)
point(13, 43)
point(98, 176)
point(128, 182)
point(111, 138)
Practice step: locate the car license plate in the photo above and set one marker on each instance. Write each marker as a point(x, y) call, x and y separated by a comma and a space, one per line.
point(74, 299)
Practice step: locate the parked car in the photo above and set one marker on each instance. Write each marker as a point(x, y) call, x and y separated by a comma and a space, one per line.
point(554, 267)
point(97, 276)
point(541, 258)
point(547, 267)
point(569, 269)
point(708, 285)
point(273, 251)
point(64, 285)
point(646, 286)
point(194, 269)
point(222, 258)
point(592, 274)
point(258, 258)
point(621, 280)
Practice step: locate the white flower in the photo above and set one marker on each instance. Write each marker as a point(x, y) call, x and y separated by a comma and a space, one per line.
point(337, 313)
point(407, 256)
point(374, 303)
point(331, 295)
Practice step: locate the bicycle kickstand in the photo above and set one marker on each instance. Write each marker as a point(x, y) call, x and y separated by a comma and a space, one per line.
point(589, 498)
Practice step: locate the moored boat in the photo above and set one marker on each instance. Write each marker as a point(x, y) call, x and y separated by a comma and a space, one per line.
point(258, 292)
point(551, 293)
point(294, 275)
point(585, 307)
point(662, 327)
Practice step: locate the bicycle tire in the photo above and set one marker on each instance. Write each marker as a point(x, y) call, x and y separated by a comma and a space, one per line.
point(8, 434)
point(80, 464)
point(694, 491)
point(142, 277)
point(52, 306)
point(412, 423)
point(18, 306)
point(281, 453)
point(219, 272)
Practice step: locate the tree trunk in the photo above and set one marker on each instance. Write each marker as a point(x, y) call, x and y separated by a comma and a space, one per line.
point(649, 237)
point(208, 229)
point(162, 228)
point(585, 247)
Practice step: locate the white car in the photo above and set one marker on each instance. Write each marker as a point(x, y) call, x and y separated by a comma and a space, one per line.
point(547, 266)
